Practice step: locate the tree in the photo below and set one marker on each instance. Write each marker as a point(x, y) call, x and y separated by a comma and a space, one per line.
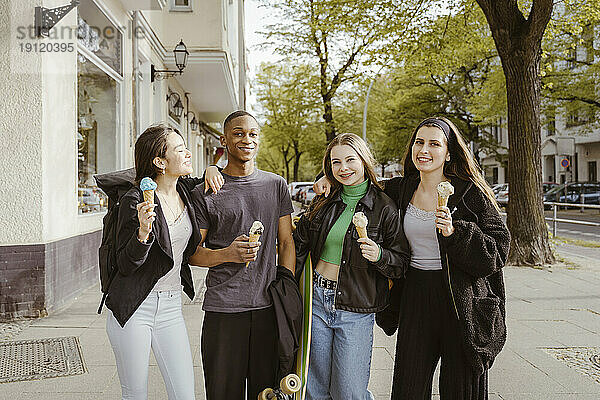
point(339, 38)
point(518, 40)
point(571, 64)
point(289, 105)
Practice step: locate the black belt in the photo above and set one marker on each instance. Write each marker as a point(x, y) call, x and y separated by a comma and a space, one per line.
point(324, 282)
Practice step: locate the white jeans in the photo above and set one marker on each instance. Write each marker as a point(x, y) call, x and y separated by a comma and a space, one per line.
point(157, 324)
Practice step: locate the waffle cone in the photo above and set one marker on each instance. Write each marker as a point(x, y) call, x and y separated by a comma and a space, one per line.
point(253, 239)
point(442, 201)
point(362, 232)
point(149, 196)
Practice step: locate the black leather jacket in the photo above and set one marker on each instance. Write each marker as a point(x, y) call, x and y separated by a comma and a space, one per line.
point(363, 286)
point(142, 265)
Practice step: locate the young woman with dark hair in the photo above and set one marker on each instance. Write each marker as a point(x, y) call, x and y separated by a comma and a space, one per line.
point(154, 242)
point(451, 303)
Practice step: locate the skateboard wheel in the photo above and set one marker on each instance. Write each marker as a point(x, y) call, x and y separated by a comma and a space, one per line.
point(267, 394)
point(290, 384)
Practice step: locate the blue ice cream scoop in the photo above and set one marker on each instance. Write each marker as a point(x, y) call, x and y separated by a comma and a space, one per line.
point(147, 184)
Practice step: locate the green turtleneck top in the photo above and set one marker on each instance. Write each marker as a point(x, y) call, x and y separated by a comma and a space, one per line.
point(332, 250)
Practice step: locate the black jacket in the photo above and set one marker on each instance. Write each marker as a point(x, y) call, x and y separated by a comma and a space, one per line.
point(141, 265)
point(287, 303)
point(472, 261)
point(363, 286)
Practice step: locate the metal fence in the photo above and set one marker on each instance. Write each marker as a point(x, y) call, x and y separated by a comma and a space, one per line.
point(556, 220)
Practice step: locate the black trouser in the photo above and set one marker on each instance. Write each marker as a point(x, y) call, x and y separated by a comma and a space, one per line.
point(237, 346)
point(428, 330)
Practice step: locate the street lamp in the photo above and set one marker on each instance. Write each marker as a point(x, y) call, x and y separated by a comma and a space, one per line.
point(181, 55)
point(194, 122)
point(177, 105)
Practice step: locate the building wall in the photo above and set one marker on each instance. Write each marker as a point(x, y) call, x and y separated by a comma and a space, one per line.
point(21, 174)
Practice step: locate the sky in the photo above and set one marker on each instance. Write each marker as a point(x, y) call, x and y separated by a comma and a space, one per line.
point(255, 18)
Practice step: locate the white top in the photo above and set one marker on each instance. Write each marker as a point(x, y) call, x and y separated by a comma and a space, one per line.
point(180, 232)
point(419, 227)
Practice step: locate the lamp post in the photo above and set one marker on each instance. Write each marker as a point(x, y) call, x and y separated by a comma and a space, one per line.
point(181, 55)
point(176, 105)
point(364, 130)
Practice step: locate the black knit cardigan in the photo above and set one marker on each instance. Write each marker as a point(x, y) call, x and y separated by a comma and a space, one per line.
point(472, 260)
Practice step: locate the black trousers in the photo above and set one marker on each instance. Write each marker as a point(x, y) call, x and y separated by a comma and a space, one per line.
point(236, 347)
point(427, 331)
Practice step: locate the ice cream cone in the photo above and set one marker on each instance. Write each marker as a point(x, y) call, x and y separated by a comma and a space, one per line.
point(149, 196)
point(362, 231)
point(444, 190)
point(256, 230)
point(360, 222)
point(253, 239)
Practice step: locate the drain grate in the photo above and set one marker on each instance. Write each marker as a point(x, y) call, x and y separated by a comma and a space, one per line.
point(38, 359)
point(586, 360)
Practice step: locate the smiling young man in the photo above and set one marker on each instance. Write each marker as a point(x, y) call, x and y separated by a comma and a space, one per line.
point(239, 333)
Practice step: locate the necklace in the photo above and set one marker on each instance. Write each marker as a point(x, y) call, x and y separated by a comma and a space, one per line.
point(164, 199)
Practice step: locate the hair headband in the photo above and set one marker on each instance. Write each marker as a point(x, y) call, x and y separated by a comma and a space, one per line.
point(438, 123)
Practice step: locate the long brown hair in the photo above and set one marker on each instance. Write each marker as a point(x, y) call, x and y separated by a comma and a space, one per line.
point(462, 163)
point(363, 151)
point(152, 143)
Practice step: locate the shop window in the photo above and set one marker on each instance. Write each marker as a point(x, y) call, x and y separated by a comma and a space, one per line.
point(97, 34)
point(96, 133)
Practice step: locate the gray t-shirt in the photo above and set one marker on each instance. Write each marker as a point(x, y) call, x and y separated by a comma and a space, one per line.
point(261, 196)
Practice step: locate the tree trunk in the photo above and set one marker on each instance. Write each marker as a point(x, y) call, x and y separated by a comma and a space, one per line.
point(328, 117)
point(297, 155)
point(518, 41)
point(525, 219)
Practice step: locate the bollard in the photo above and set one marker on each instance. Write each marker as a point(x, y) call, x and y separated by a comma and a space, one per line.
point(554, 220)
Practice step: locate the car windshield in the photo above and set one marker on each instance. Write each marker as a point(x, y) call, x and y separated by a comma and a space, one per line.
point(556, 189)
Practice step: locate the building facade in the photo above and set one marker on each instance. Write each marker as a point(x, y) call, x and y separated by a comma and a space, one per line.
point(75, 103)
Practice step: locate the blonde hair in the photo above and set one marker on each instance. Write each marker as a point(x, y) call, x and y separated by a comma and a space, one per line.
point(462, 163)
point(368, 161)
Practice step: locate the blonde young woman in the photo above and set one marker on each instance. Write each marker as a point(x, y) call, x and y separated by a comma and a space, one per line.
point(351, 273)
point(451, 304)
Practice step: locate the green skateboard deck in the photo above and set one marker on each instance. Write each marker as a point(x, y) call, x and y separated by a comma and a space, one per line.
point(303, 355)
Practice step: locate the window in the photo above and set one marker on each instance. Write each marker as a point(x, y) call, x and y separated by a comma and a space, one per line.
point(181, 5)
point(96, 132)
point(98, 35)
point(99, 77)
point(592, 171)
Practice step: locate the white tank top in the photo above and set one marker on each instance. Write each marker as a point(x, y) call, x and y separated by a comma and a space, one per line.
point(180, 232)
point(419, 227)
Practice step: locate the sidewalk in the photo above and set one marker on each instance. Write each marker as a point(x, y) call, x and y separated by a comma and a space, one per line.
point(553, 319)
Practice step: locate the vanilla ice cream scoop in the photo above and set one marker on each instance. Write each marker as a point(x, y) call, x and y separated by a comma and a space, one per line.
point(360, 220)
point(257, 228)
point(445, 190)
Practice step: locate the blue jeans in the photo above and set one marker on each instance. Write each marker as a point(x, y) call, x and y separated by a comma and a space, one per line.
point(340, 352)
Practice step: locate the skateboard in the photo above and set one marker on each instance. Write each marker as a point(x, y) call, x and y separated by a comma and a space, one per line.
point(289, 385)
point(303, 355)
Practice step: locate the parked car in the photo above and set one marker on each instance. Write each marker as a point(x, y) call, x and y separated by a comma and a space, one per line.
point(295, 187)
point(502, 194)
point(575, 192)
point(301, 194)
point(309, 194)
point(548, 186)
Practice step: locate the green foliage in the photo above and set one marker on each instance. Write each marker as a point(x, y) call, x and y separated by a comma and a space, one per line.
point(291, 140)
point(570, 62)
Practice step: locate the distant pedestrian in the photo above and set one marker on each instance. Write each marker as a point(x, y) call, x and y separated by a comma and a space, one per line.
point(451, 304)
point(351, 268)
point(154, 242)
